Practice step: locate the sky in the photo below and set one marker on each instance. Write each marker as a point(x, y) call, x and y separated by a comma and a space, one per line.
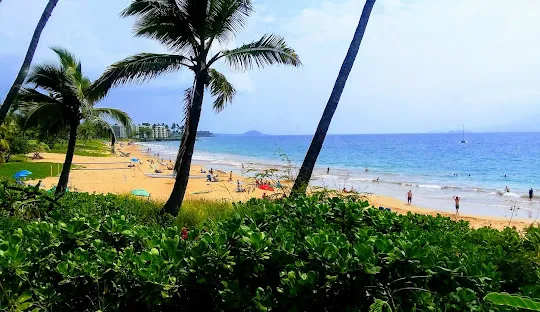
point(423, 66)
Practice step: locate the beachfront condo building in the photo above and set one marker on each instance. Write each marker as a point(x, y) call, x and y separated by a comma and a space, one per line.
point(119, 131)
point(160, 132)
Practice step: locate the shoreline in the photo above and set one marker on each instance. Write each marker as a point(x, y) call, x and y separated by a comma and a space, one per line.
point(111, 175)
point(428, 191)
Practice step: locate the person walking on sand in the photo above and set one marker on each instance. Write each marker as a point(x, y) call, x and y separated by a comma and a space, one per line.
point(456, 199)
point(230, 177)
point(409, 197)
point(531, 193)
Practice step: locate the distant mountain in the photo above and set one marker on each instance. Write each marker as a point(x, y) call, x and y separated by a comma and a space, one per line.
point(253, 133)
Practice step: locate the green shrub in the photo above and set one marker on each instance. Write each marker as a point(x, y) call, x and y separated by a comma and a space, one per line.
point(113, 253)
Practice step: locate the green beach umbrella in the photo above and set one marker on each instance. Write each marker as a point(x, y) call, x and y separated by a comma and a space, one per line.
point(140, 192)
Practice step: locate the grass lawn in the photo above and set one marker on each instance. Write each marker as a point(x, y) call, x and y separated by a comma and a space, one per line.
point(94, 148)
point(39, 170)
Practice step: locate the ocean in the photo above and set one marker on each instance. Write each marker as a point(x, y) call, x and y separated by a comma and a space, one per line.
point(434, 166)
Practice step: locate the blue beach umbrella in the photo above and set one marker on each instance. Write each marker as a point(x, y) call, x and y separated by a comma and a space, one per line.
point(134, 159)
point(22, 174)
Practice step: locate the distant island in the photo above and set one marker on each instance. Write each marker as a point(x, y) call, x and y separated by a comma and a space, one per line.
point(253, 133)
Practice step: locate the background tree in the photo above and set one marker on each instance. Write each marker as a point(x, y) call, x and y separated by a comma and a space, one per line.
point(190, 28)
point(12, 94)
point(4, 145)
point(60, 100)
point(304, 175)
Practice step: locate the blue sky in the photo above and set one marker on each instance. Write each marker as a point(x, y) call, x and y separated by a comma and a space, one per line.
point(424, 65)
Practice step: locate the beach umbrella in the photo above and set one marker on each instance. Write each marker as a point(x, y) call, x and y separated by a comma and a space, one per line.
point(140, 192)
point(21, 174)
point(134, 159)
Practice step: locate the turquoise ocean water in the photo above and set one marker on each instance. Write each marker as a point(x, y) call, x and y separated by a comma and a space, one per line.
point(434, 166)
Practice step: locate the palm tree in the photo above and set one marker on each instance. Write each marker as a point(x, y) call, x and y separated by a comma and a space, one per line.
point(12, 94)
point(60, 100)
point(190, 29)
point(304, 175)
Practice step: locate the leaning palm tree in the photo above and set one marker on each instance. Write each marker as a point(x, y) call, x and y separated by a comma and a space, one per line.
point(57, 98)
point(190, 29)
point(12, 94)
point(304, 175)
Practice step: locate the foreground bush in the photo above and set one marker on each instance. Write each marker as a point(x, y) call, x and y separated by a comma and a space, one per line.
point(309, 254)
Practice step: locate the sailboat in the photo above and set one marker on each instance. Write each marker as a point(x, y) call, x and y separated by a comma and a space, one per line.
point(463, 138)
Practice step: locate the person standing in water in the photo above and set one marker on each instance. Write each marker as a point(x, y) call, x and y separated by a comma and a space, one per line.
point(531, 193)
point(409, 197)
point(456, 199)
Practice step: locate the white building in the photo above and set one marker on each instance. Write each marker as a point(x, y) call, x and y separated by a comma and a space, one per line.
point(119, 131)
point(160, 132)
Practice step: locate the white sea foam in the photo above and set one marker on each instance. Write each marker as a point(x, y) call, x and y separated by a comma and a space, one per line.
point(511, 194)
point(431, 186)
point(362, 179)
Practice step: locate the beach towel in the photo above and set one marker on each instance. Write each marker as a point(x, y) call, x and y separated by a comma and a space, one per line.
point(266, 187)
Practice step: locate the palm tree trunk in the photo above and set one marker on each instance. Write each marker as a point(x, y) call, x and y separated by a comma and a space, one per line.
point(12, 94)
point(64, 176)
point(182, 175)
point(304, 175)
point(113, 144)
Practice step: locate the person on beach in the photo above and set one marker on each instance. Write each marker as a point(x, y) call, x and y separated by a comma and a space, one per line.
point(264, 196)
point(506, 189)
point(456, 199)
point(230, 177)
point(366, 170)
point(409, 197)
point(328, 170)
point(531, 193)
point(239, 188)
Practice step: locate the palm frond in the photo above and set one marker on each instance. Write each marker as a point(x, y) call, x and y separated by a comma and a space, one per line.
point(226, 18)
point(143, 7)
point(114, 114)
point(67, 59)
point(48, 76)
point(221, 89)
point(43, 114)
point(136, 69)
point(269, 50)
point(164, 21)
point(30, 97)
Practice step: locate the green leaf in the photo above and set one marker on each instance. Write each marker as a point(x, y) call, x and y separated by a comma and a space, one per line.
point(24, 306)
point(62, 268)
point(25, 296)
point(515, 301)
point(379, 306)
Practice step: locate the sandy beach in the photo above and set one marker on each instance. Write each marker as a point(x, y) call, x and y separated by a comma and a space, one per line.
point(112, 175)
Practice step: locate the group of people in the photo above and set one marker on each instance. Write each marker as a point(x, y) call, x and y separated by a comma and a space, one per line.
point(210, 177)
point(456, 200)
